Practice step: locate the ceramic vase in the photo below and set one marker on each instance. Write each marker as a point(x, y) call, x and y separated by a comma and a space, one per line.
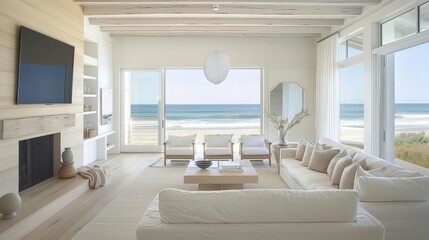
point(9, 203)
point(67, 156)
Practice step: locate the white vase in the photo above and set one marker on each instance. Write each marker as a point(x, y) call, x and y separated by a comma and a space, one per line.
point(282, 135)
point(68, 156)
point(9, 203)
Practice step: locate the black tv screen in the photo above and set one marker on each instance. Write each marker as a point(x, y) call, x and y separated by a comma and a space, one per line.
point(45, 69)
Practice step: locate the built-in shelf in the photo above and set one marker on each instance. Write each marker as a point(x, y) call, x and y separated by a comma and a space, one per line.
point(90, 61)
point(89, 95)
point(89, 112)
point(103, 135)
point(110, 147)
point(89, 77)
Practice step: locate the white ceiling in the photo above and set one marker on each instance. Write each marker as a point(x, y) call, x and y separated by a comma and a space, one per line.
point(233, 18)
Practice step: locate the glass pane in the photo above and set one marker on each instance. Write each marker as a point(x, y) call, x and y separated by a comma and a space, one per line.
point(399, 27)
point(196, 106)
point(141, 114)
point(352, 105)
point(342, 51)
point(412, 105)
point(424, 17)
point(355, 46)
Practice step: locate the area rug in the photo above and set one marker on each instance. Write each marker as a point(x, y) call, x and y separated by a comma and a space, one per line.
point(119, 219)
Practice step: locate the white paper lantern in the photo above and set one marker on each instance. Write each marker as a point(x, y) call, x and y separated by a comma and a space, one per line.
point(216, 67)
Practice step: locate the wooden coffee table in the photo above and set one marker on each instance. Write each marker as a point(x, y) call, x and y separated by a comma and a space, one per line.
point(213, 179)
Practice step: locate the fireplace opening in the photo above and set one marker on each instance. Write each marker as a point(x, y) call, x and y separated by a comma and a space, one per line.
point(37, 160)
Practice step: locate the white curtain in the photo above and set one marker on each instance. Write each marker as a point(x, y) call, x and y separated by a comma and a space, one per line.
point(327, 94)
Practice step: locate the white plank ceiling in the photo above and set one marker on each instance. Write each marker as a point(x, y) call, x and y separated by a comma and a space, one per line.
point(221, 18)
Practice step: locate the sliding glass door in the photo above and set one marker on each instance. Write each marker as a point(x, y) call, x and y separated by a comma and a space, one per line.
point(141, 111)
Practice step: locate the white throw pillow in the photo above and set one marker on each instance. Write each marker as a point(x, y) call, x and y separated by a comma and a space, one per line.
point(181, 141)
point(253, 140)
point(219, 140)
point(378, 172)
point(320, 159)
point(334, 161)
point(258, 206)
point(339, 168)
point(307, 154)
point(386, 189)
point(349, 173)
point(359, 157)
point(300, 149)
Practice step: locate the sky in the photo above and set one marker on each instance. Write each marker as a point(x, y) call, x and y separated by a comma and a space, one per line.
point(190, 86)
point(411, 78)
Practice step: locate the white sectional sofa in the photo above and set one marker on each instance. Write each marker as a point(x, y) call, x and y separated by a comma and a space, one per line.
point(403, 210)
point(279, 214)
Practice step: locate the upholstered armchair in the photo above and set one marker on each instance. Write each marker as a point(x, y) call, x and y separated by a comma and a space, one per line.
point(255, 147)
point(218, 146)
point(179, 147)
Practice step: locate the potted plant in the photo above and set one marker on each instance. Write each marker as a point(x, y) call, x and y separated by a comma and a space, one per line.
point(283, 124)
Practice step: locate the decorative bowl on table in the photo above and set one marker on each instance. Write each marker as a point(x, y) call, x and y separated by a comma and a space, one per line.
point(203, 164)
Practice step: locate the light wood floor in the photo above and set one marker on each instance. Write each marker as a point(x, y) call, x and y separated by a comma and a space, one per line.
point(66, 223)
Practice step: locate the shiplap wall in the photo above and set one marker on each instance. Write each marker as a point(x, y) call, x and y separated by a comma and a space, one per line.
point(60, 19)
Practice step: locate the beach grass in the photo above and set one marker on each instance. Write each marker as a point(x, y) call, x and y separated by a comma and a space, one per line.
point(413, 147)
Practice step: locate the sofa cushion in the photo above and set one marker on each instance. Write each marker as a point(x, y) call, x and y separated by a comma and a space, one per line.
point(255, 151)
point(257, 206)
point(349, 173)
point(396, 171)
point(307, 179)
point(181, 141)
point(334, 161)
point(387, 189)
point(320, 159)
point(300, 149)
point(307, 155)
point(218, 151)
point(339, 168)
point(219, 140)
point(253, 140)
point(179, 151)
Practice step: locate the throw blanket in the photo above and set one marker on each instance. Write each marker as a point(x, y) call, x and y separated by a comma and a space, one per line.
point(96, 175)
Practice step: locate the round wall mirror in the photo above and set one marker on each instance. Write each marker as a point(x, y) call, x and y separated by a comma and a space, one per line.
point(287, 99)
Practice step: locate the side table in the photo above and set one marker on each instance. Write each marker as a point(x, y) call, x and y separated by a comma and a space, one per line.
point(276, 152)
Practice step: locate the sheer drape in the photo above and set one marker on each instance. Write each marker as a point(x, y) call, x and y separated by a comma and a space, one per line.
point(327, 94)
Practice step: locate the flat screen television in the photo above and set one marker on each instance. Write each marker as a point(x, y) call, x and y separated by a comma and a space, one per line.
point(45, 69)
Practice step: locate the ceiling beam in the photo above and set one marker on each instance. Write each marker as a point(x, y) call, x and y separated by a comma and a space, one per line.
point(213, 21)
point(225, 34)
point(216, 29)
point(225, 11)
point(240, 2)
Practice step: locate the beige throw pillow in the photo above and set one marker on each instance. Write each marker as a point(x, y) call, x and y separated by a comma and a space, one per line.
point(300, 149)
point(307, 155)
point(334, 161)
point(339, 168)
point(349, 173)
point(359, 157)
point(320, 159)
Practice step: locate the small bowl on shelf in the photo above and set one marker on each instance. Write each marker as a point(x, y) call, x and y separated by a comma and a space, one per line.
point(203, 164)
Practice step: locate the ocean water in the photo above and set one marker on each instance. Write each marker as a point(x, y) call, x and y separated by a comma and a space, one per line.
point(204, 116)
point(408, 116)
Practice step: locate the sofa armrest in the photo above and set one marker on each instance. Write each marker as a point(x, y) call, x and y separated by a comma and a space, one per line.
point(287, 153)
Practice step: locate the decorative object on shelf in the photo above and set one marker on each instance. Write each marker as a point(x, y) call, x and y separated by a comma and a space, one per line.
point(9, 204)
point(203, 164)
point(67, 155)
point(216, 66)
point(89, 133)
point(88, 108)
point(283, 124)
